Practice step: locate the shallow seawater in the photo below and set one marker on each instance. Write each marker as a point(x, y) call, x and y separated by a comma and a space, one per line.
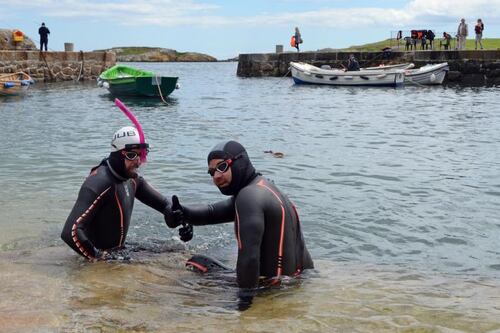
point(398, 192)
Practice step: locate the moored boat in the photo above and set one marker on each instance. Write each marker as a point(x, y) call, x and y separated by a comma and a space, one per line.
point(13, 84)
point(431, 74)
point(308, 74)
point(125, 80)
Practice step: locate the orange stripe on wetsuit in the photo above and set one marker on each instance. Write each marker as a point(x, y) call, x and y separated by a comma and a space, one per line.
point(237, 227)
point(121, 217)
point(80, 219)
point(282, 228)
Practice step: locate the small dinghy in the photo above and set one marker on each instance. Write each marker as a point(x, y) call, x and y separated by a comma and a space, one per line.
point(123, 80)
point(14, 84)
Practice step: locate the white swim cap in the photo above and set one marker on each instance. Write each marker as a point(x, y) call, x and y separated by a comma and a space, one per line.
point(127, 138)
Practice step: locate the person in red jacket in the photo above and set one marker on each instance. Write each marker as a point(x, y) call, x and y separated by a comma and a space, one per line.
point(478, 29)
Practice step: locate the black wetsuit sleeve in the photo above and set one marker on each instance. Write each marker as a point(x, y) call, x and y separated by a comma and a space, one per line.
point(250, 225)
point(219, 212)
point(149, 196)
point(82, 215)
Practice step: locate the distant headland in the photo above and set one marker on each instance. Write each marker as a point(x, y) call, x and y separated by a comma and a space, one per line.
point(156, 54)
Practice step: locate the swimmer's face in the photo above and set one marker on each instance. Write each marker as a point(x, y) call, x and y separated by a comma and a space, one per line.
point(220, 171)
point(132, 162)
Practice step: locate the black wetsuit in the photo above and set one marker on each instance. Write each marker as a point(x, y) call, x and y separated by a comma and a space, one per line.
point(101, 215)
point(44, 32)
point(267, 226)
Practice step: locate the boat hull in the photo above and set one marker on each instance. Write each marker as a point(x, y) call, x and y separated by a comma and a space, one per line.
point(428, 74)
point(308, 74)
point(142, 86)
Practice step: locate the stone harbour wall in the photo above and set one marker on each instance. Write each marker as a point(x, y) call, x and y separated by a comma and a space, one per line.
point(480, 67)
point(57, 66)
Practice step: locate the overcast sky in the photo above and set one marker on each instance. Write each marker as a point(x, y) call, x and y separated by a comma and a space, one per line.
point(224, 29)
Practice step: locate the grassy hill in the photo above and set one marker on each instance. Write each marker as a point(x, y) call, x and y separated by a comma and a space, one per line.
point(488, 43)
point(156, 54)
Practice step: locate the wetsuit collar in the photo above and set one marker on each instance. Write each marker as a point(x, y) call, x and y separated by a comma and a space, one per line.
point(120, 178)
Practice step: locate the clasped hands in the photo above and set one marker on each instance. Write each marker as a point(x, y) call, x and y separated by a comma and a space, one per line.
point(176, 218)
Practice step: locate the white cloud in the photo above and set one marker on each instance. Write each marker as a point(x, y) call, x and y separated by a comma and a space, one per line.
point(190, 12)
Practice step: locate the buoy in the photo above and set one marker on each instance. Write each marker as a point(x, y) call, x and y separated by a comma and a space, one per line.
point(105, 85)
point(433, 77)
point(177, 86)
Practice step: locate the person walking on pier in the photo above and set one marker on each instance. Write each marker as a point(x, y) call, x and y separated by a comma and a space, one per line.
point(462, 33)
point(479, 33)
point(44, 36)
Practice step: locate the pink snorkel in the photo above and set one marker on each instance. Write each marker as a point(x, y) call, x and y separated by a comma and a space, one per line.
point(137, 125)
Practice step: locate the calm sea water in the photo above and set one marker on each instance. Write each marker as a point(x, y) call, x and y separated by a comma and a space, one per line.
point(398, 192)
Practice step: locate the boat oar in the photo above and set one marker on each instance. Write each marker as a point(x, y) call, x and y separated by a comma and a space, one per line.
point(134, 120)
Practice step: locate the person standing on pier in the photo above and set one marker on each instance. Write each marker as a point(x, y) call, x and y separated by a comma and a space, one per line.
point(462, 33)
point(44, 32)
point(298, 38)
point(479, 33)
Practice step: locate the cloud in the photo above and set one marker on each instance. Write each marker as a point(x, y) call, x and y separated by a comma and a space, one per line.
point(193, 13)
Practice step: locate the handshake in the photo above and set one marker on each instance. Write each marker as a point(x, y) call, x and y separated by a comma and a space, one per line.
point(175, 217)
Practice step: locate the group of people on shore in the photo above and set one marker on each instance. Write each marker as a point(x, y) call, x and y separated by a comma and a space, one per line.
point(461, 35)
point(463, 32)
point(266, 222)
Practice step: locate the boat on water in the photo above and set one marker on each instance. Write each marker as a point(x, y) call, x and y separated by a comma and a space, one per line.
point(13, 84)
point(303, 73)
point(431, 74)
point(124, 80)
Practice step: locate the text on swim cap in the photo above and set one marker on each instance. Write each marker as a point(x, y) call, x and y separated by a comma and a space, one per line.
point(124, 134)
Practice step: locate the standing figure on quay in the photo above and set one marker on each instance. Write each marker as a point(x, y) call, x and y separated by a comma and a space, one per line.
point(462, 33)
point(44, 33)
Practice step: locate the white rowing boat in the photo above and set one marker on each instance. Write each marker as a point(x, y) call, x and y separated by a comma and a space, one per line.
point(303, 73)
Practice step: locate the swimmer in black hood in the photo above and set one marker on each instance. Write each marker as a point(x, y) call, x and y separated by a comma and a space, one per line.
point(267, 226)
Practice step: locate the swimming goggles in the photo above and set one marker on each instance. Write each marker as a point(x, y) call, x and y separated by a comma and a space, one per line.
point(132, 155)
point(221, 167)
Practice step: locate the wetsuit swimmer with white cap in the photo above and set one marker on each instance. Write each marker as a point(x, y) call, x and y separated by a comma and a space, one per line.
point(99, 221)
point(266, 223)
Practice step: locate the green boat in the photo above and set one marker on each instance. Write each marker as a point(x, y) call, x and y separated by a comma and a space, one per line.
point(123, 80)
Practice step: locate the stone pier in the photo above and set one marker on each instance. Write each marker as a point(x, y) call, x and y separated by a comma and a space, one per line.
point(56, 66)
point(466, 67)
